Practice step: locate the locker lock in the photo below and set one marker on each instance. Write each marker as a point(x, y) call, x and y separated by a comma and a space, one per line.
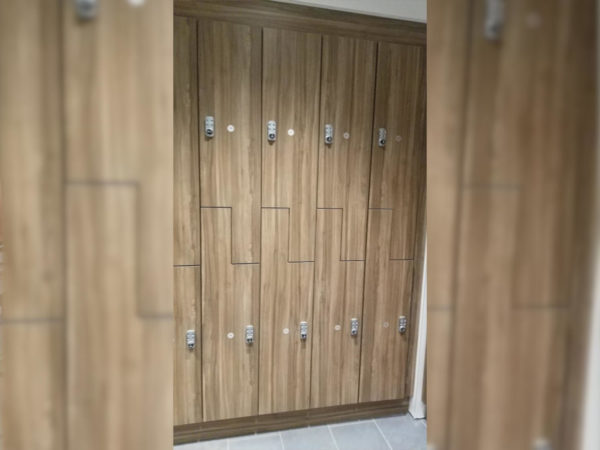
point(354, 327)
point(382, 137)
point(190, 339)
point(209, 126)
point(271, 131)
point(328, 133)
point(250, 334)
point(303, 330)
point(402, 323)
point(86, 9)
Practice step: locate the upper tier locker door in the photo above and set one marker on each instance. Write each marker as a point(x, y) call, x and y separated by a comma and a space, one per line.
point(347, 94)
point(229, 76)
point(397, 174)
point(187, 375)
point(291, 80)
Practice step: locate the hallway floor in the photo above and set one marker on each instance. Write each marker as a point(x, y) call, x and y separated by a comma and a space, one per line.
point(389, 433)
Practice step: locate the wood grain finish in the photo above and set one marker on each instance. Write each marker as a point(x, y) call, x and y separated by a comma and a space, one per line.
point(305, 18)
point(347, 93)
point(387, 294)
point(187, 391)
point(337, 300)
point(186, 183)
point(286, 300)
point(396, 168)
point(230, 302)
point(229, 61)
point(291, 69)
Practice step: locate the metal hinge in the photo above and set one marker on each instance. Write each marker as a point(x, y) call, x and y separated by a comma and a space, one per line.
point(494, 19)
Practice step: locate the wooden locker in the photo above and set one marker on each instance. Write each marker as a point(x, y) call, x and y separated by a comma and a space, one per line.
point(229, 62)
point(387, 296)
point(397, 167)
point(290, 92)
point(286, 300)
point(347, 93)
point(337, 300)
point(230, 294)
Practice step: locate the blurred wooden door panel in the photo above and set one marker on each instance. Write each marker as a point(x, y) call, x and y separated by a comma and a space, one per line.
point(388, 290)
point(290, 93)
point(347, 93)
point(338, 300)
point(229, 62)
point(187, 372)
point(286, 300)
point(397, 169)
point(230, 302)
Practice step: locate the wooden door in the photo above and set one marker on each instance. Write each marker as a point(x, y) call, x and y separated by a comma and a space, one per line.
point(291, 79)
point(347, 95)
point(229, 85)
point(397, 177)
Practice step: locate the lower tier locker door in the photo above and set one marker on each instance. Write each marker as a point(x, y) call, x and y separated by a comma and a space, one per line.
point(230, 296)
point(285, 319)
point(338, 312)
point(388, 290)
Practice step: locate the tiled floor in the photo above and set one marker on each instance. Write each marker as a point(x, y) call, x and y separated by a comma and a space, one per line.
point(390, 433)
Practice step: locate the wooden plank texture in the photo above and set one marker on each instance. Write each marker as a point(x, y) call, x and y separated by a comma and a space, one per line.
point(187, 373)
point(229, 62)
point(230, 302)
point(387, 294)
point(337, 300)
point(347, 94)
point(286, 300)
point(186, 178)
point(291, 80)
point(396, 168)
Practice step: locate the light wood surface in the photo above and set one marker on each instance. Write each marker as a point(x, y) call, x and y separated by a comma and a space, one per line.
point(186, 178)
point(229, 61)
point(347, 95)
point(286, 300)
point(291, 83)
point(337, 300)
point(187, 390)
point(395, 168)
point(230, 302)
point(387, 294)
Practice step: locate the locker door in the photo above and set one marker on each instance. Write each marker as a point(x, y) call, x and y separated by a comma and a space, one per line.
point(187, 399)
point(291, 79)
point(347, 94)
point(229, 64)
point(397, 175)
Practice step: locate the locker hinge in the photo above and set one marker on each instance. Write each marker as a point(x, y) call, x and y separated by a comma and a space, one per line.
point(86, 9)
point(190, 339)
point(303, 330)
point(250, 334)
point(402, 324)
point(494, 19)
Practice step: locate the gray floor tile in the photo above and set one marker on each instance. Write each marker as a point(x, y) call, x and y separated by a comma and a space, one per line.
point(403, 432)
point(219, 444)
point(313, 438)
point(267, 441)
point(359, 436)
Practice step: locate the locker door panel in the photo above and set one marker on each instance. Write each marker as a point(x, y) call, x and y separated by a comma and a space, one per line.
point(229, 304)
point(291, 80)
point(186, 184)
point(229, 78)
point(187, 399)
point(388, 289)
point(397, 169)
point(286, 300)
point(338, 299)
point(347, 94)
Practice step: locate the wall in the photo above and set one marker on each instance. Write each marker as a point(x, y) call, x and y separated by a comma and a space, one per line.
point(415, 10)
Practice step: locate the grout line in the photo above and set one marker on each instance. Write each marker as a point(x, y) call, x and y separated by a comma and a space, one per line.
point(281, 439)
point(333, 437)
point(382, 434)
